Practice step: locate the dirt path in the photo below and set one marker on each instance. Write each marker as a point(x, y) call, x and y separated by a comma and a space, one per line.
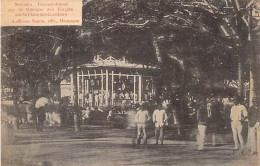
point(98, 146)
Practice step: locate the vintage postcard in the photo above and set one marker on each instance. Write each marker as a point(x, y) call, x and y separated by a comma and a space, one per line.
point(130, 82)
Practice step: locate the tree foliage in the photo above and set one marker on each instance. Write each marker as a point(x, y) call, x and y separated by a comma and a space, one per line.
point(180, 29)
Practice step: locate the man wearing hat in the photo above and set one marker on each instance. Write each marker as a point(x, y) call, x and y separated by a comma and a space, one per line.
point(238, 115)
point(159, 118)
point(254, 119)
point(141, 118)
point(202, 118)
point(40, 110)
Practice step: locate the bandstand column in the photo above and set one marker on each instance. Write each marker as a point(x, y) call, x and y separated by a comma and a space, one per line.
point(102, 87)
point(83, 89)
point(106, 87)
point(78, 85)
point(86, 92)
point(71, 87)
point(140, 89)
point(112, 89)
point(153, 88)
point(134, 89)
point(102, 81)
point(88, 82)
point(87, 86)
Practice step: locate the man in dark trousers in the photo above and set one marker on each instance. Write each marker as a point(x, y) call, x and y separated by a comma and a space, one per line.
point(254, 120)
point(214, 119)
point(40, 106)
point(40, 118)
point(202, 118)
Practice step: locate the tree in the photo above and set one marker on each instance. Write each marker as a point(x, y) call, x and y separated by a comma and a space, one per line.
point(175, 31)
point(178, 31)
point(218, 22)
point(33, 56)
point(169, 34)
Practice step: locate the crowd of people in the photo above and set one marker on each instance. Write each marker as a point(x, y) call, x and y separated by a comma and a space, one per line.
point(98, 98)
point(242, 121)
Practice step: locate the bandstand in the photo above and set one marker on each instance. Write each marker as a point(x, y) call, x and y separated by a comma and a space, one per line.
point(110, 81)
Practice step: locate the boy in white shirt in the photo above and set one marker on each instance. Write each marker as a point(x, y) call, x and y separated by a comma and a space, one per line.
point(238, 115)
point(159, 119)
point(141, 118)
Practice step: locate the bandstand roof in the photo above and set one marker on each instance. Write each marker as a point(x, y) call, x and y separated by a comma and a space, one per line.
point(110, 61)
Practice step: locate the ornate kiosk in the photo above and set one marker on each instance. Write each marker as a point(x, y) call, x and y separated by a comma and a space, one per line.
point(108, 81)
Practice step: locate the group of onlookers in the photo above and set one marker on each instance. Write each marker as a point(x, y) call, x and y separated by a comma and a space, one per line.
point(95, 99)
point(209, 119)
point(240, 120)
point(99, 98)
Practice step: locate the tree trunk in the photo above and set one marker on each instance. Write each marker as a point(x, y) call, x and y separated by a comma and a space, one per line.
point(157, 50)
point(177, 121)
point(75, 92)
point(240, 71)
point(254, 63)
point(240, 81)
point(254, 75)
point(241, 58)
point(176, 113)
point(15, 106)
point(252, 91)
point(16, 115)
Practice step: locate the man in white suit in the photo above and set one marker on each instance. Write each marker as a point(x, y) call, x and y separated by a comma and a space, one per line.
point(141, 118)
point(159, 119)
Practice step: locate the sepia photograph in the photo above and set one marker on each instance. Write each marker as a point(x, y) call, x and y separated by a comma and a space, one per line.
point(130, 82)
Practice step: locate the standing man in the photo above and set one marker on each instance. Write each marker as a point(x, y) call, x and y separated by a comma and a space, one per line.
point(90, 99)
point(202, 117)
point(141, 118)
point(127, 96)
point(238, 115)
point(209, 107)
point(96, 99)
point(100, 98)
point(110, 116)
point(214, 119)
point(159, 118)
point(254, 124)
point(40, 106)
